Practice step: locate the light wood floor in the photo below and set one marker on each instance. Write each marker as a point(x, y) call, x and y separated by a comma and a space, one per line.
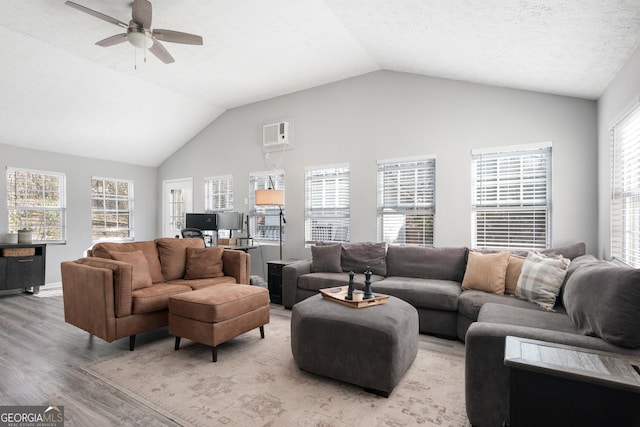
point(41, 356)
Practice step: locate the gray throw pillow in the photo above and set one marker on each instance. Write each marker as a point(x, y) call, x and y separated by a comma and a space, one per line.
point(603, 300)
point(357, 256)
point(326, 259)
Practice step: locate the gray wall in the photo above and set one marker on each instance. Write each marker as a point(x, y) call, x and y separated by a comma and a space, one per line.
point(386, 115)
point(623, 93)
point(78, 171)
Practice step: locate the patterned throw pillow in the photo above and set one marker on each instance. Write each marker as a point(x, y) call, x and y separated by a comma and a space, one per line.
point(541, 279)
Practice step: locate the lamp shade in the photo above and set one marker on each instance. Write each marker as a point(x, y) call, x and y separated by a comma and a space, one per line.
point(269, 197)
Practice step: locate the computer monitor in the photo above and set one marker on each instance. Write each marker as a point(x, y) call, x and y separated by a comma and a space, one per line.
point(230, 221)
point(203, 221)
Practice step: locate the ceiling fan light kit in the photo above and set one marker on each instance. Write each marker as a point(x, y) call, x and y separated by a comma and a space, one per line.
point(140, 38)
point(139, 31)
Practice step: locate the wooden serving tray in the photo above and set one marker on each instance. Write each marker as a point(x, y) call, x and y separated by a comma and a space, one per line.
point(338, 294)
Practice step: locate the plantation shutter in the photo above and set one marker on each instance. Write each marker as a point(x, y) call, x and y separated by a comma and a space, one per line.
point(327, 195)
point(218, 193)
point(625, 203)
point(406, 201)
point(512, 197)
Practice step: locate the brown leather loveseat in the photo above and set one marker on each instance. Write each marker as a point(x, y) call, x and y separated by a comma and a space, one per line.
point(122, 289)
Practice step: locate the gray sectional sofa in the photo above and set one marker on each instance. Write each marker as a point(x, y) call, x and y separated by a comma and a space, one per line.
point(598, 306)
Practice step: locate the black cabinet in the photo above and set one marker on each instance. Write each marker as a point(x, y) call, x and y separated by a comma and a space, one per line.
point(275, 279)
point(22, 266)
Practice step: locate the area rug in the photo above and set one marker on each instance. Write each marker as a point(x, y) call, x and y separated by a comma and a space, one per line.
point(257, 383)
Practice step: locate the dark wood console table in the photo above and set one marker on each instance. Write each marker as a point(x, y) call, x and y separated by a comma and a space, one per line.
point(560, 385)
point(22, 266)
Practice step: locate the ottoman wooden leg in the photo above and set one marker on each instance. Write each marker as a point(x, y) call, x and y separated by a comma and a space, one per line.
point(214, 354)
point(262, 332)
point(177, 346)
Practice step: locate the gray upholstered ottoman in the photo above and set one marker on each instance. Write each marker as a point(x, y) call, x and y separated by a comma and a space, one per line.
point(371, 347)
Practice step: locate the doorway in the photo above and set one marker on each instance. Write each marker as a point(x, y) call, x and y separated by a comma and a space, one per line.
point(177, 200)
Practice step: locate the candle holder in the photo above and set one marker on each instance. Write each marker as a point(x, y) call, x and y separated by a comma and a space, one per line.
point(368, 294)
point(351, 287)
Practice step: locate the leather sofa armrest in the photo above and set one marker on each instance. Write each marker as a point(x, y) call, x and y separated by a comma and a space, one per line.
point(89, 298)
point(290, 274)
point(121, 284)
point(237, 264)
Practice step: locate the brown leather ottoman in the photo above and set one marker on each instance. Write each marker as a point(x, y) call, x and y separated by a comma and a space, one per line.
point(216, 314)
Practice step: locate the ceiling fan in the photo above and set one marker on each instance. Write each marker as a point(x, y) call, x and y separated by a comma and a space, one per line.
point(139, 31)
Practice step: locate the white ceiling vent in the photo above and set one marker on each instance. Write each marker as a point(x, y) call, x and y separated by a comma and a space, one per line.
point(277, 136)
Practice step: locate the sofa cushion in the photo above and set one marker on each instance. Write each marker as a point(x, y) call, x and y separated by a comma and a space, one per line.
point(486, 272)
point(357, 257)
point(103, 250)
point(603, 300)
point(156, 297)
point(541, 279)
point(203, 263)
point(421, 293)
point(326, 258)
point(569, 252)
point(203, 283)
point(173, 255)
point(513, 274)
point(140, 267)
point(317, 281)
point(427, 263)
point(519, 316)
point(470, 303)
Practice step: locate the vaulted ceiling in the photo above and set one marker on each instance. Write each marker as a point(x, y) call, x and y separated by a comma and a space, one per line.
point(60, 92)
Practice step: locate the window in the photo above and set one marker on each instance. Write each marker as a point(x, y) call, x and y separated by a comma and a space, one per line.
point(511, 204)
point(326, 215)
point(264, 221)
point(406, 201)
point(36, 201)
point(111, 209)
point(625, 180)
point(218, 193)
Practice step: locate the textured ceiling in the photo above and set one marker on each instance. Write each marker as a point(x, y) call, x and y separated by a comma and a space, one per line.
point(60, 92)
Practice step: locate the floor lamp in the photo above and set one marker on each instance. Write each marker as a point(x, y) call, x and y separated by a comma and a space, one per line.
point(273, 197)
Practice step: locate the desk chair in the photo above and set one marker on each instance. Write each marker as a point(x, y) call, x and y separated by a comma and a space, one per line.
point(192, 233)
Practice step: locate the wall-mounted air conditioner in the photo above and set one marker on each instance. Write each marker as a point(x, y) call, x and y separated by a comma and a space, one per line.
point(276, 136)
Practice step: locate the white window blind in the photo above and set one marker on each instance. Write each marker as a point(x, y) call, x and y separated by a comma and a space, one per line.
point(36, 201)
point(111, 209)
point(625, 203)
point(511, 205)
point(218, 193)
point(264, 222)
point(406, 201)
point(327, 195)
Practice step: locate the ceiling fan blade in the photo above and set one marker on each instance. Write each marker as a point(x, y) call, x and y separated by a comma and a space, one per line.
point(96, 14)
point(142, 13)
point(110, 41)
point(163, 55)
point(177, 37)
